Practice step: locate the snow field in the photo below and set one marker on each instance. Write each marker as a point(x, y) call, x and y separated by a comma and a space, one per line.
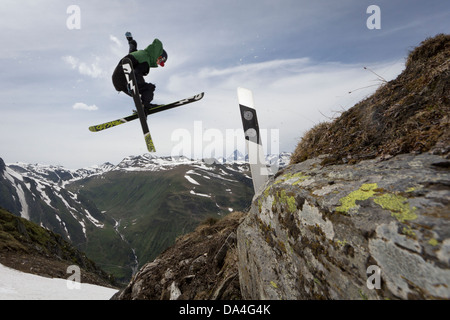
point(17, 285)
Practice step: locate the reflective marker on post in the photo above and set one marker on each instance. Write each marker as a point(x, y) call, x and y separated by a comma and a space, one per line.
point(256, 158)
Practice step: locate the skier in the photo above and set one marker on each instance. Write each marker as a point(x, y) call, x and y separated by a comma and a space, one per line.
point(151, 57)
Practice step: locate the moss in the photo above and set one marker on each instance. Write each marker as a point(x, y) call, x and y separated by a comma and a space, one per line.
point(365, 192)
point(282, 246)
point(398, 206)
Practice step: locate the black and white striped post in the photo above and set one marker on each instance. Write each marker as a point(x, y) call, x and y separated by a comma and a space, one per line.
point(256, 158)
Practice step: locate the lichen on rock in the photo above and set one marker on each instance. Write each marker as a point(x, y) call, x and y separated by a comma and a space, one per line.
point(316, 240)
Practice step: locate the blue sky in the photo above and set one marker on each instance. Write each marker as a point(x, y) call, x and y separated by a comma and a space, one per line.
point(300, 58)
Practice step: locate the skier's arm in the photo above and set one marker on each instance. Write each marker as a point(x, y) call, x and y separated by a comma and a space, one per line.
point(131, 42)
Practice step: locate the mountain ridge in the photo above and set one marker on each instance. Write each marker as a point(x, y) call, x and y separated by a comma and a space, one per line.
point(78, 203)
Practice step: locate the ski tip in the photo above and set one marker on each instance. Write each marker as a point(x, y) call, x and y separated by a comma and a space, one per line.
point(149, 142)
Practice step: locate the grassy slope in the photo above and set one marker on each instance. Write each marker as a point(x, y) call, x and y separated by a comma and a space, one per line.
point(408, 114)
point(26, 246)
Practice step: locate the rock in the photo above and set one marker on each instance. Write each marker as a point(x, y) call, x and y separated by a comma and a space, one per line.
point(200, 265)
point(175, 292)
point(314, 232)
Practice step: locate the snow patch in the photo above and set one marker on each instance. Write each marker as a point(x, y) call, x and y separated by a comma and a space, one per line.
point(200, 194)
point(11, 175)
point(16, 285)
point(191, 180)
point(97, 223)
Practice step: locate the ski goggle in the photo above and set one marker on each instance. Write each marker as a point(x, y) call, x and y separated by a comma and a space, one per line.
point(161, 61)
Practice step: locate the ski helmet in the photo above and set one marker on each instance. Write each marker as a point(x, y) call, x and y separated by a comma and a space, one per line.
point(163, 58)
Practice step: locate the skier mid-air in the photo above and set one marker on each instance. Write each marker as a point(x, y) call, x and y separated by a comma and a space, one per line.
point(151, 57)
point(128, 77)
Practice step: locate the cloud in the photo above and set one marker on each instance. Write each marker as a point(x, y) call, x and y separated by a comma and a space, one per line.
point(115, 40)
point(84, 106)
point(72, 61)
point(290, 95)
point(91, 69)
point(97, 65)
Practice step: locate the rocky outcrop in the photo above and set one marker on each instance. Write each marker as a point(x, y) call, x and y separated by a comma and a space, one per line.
point(201, 265)
point(372, 230)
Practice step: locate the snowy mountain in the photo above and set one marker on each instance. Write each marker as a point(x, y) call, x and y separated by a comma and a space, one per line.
point(236, 156)
point(131, 211)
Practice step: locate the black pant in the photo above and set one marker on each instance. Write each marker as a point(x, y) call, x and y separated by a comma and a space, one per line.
point(145, 89)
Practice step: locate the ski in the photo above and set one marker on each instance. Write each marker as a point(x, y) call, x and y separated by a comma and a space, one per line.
point(127, 66)
point(153, 110)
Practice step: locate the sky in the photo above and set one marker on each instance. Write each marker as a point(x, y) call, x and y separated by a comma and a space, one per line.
point(303, 61)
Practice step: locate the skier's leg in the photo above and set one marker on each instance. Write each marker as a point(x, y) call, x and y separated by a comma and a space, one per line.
point(119, 80)
point(147, 94)
point(145, 89)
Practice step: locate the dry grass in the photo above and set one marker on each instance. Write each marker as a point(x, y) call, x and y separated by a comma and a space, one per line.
point(408, 114)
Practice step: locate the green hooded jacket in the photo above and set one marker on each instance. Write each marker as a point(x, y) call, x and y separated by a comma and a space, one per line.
point(150, 54)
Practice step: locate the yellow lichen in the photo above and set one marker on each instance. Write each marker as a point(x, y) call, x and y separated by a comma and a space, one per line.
point(266, 192)
point(397, 205)
point(409, 232)
point(341, 243)
point(433, 242)
point(284, 199)
point(299, 176)
point(365, 192)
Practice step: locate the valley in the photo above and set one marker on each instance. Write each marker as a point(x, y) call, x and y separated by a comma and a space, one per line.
point(124, 215)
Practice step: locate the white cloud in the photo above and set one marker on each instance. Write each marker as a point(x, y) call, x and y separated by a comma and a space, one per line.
point(290, 95)
point(72, 61)
point(84, 106)
point(115, 40)
point(91, 69)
